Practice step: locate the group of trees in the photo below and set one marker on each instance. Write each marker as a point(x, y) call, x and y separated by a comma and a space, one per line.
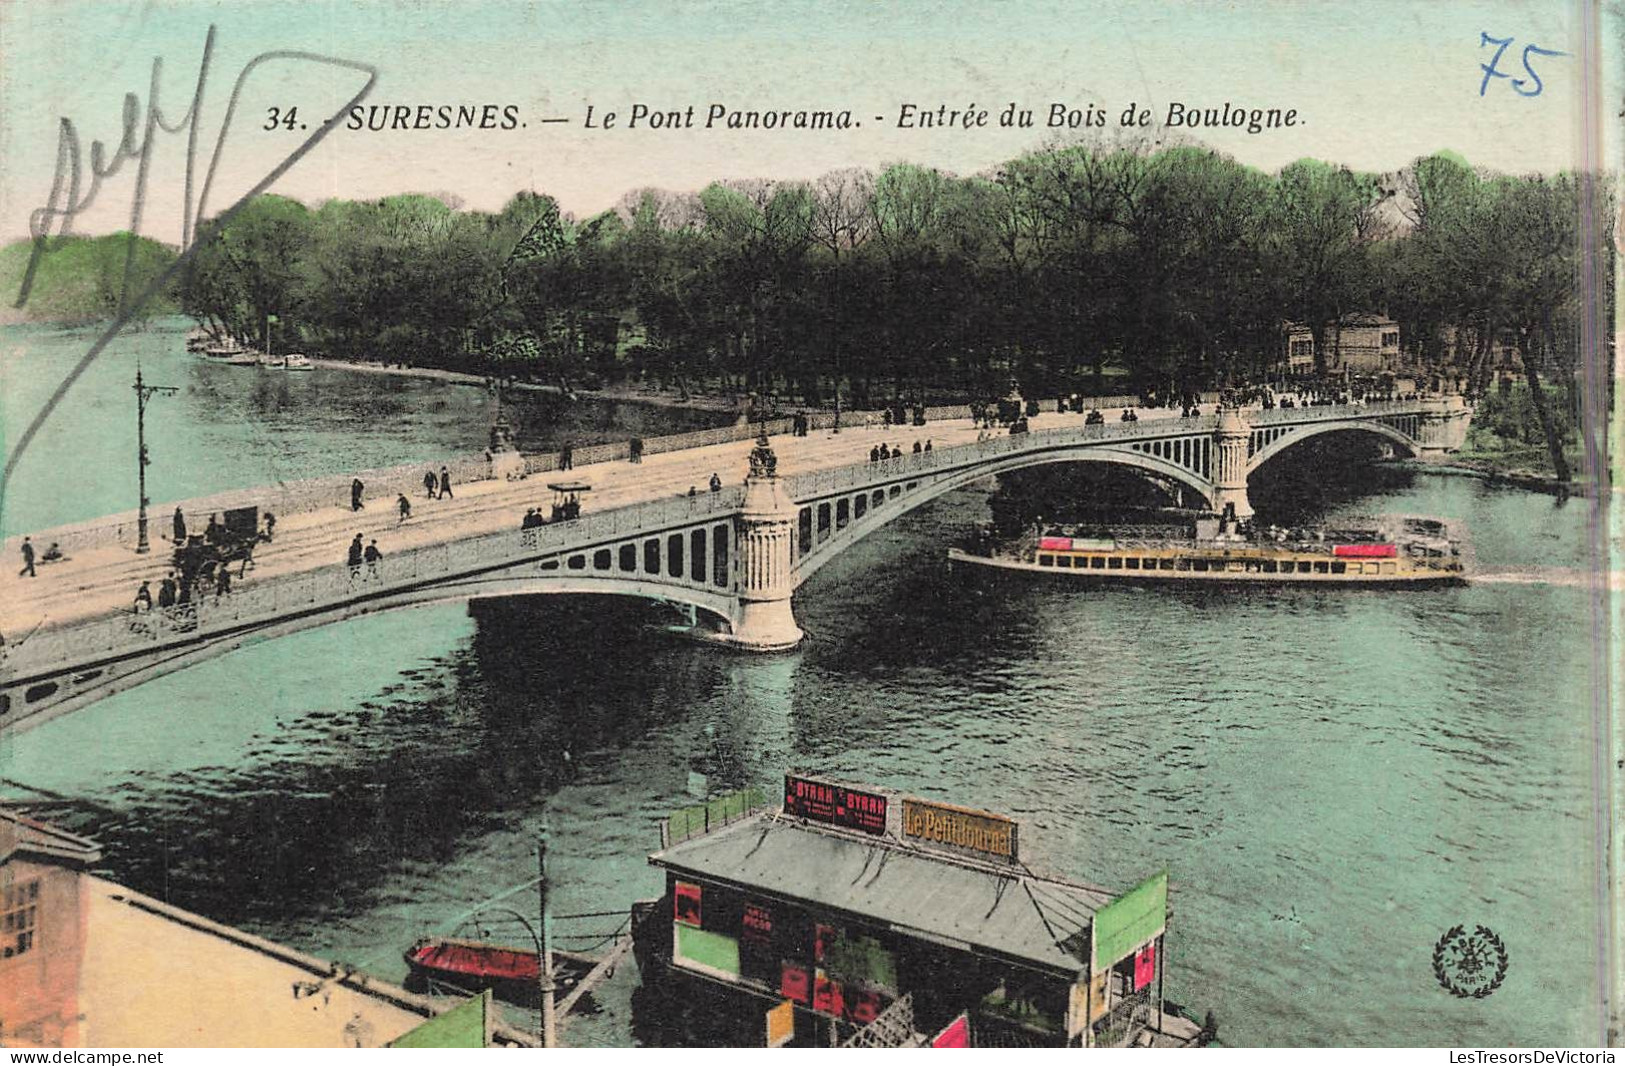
point(84, 279)
point(1170, 268)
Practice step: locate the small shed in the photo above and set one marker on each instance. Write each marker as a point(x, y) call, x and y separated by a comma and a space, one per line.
point(864, 908)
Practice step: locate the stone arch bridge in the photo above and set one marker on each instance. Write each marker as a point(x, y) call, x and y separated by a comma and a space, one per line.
point(737, 555)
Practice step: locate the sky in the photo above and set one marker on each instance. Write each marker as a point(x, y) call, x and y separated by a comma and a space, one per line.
point(1375, 84)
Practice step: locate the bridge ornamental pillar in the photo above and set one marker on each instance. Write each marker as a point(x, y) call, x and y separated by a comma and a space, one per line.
point(763, 620)
point(1442, 426)
point(1230, 462)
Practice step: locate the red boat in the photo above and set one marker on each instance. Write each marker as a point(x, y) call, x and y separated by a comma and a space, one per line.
point(513, 974)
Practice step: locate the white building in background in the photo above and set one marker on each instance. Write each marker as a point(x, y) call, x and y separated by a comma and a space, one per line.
point(1359, 343)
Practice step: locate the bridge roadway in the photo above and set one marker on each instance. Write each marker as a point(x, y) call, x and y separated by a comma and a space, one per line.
point(102, 581)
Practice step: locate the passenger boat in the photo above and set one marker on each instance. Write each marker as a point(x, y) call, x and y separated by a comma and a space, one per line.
point(297, 361)
point(1399, 550)
point(511, 973)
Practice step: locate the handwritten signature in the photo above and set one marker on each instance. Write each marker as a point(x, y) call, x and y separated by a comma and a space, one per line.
point(71, 195)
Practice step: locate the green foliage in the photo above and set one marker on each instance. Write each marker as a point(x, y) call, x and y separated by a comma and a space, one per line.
point(1511, 416)
point(1173, 269)
point(82, 279)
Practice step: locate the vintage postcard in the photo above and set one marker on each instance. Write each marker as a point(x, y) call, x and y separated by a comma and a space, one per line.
point(1049, 523)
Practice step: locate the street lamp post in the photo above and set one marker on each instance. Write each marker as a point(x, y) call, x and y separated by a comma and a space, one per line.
point(550, 1037)
point(542, 970)
point(143, 393)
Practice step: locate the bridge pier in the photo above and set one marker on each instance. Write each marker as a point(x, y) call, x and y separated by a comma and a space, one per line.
point(1230, 463)
point(1441, 426)
point(763, 620)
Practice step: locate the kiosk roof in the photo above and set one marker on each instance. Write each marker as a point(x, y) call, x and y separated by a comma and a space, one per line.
point(1011, 913)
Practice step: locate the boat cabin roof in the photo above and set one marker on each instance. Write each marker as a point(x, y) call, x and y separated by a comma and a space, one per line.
point(984, 908)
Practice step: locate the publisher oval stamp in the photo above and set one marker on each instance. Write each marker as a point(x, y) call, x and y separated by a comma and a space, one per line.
point(1470, 964)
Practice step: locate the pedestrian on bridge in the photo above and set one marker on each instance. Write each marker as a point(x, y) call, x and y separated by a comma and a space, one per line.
point(404, 505)
point(917, 448)
point(716, 482)
point(429, 483)
point(355, 556)
point(222, 583)
point(635, 450)
point(445, 485)
point(356, 488)
point(179, 529)
point(166, 591)
point(143, 598)
point(928, 444)
point(28, 559)
point(372, 555)
point(270, 526)
point(567, 457)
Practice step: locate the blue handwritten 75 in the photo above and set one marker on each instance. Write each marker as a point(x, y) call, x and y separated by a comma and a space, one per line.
point(1490, 69)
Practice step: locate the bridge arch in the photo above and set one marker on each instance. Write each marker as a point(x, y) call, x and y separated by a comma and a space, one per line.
point(1315, 429)
point(931, 487)
point(60, 692)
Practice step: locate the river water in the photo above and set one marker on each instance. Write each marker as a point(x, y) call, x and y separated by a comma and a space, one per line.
point(226, 426)
point(1334, 778)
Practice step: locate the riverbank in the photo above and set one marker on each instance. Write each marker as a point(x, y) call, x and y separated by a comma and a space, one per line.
point(1497, 474)
point(618, 393)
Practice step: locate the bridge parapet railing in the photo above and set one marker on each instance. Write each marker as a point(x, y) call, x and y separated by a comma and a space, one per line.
point(255, 602)
point(282, 498)
point(804, 487)
point(1334, 411)
point(617, 451)
point(382, 483)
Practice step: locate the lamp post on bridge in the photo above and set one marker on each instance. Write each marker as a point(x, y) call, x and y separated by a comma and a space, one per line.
point(143, 393)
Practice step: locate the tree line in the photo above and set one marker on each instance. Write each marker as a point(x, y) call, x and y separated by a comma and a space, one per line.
point(1166, 269)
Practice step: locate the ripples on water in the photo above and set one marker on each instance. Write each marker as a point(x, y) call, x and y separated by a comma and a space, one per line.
point(1334, 777)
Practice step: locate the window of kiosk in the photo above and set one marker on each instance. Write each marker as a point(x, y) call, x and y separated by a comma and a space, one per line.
point(700, 916)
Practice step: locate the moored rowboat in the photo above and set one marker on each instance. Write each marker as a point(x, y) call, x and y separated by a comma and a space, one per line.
point(513, 974)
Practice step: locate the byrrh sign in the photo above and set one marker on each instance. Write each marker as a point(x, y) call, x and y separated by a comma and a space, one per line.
point(961, 828)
